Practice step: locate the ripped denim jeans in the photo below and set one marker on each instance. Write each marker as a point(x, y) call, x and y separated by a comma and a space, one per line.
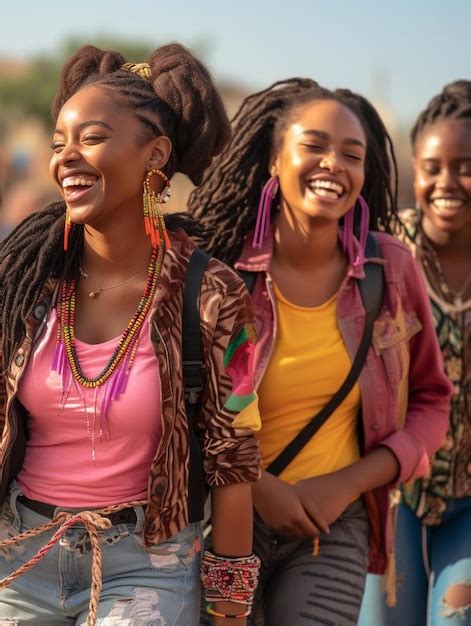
point(433, 573)
point(156, 586)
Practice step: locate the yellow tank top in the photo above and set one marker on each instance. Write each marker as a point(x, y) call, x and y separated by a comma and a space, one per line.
point(309, 363)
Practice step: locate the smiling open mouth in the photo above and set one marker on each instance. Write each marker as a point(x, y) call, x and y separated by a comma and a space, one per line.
point(327, 189)
point(447, 207)
point(448, 203)
point(75, 186)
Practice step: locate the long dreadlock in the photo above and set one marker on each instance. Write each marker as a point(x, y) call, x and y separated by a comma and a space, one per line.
point(226, 201)
point(180, 101)
point(380, 191)
point(453, 102)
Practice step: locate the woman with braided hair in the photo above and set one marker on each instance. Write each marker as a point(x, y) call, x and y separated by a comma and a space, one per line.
point(325, 512)
point(434, 523)
point(100, 510)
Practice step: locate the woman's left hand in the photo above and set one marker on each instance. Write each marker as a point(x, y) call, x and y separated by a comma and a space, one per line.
point(330, 493)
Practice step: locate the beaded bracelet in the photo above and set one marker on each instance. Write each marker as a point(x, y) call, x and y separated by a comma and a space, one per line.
point(233, 579)
point(211, 611)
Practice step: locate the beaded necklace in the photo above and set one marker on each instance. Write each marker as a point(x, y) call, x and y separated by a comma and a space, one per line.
point(114, 376)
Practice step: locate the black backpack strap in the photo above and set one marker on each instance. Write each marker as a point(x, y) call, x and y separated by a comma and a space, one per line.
point(371, 291)
point(372, 286)
point(249, 279)
point(193, 379)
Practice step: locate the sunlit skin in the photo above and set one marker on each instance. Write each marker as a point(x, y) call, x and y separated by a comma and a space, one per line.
point(100, 143)
point(442, 165)
point(325, 142)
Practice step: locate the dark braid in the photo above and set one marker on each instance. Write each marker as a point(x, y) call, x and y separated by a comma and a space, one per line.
point(31, 254)
point(180, 101)
point(453, 102)
point(227, 200)
point(380, 188)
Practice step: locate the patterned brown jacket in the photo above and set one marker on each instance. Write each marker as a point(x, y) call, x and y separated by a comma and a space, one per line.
point(228, 416)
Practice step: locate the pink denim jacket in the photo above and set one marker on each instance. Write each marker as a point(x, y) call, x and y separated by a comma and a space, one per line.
point(405, 392)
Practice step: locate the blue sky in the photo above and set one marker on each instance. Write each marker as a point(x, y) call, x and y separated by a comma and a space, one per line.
point(403, 50)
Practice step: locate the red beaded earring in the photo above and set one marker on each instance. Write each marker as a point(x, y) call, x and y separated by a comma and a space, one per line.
point(154, 222)
point(67, 229)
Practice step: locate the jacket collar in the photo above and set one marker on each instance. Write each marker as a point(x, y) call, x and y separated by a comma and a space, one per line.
point(259, 260)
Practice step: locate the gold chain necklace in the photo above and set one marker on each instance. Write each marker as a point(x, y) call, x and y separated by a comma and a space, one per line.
point(99, 290)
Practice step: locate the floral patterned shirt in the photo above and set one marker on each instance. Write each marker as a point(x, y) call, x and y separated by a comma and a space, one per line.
point(450, 475)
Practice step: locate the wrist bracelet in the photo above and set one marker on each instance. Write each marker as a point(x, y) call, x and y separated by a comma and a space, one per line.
point(212, 611)
point(233, 579)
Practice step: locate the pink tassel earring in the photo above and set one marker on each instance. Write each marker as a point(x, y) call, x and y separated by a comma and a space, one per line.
point(262, 225)
point(348, 223)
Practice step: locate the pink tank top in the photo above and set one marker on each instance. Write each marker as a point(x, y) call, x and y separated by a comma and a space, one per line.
point(70, 459)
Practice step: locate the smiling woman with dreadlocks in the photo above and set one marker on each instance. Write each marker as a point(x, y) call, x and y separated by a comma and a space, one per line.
point(322, 505)
point(97, 450)
point(434, 522)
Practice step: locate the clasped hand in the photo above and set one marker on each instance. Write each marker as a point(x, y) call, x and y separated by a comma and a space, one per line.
point(304, 509)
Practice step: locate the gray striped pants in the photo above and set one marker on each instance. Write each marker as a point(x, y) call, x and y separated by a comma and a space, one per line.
point(297, 589)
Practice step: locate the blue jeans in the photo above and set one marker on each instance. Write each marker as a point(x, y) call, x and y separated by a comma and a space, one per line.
point(141, 586)
point(430, 560)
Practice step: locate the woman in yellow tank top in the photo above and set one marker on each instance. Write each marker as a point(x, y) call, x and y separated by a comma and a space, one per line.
point(326, 518)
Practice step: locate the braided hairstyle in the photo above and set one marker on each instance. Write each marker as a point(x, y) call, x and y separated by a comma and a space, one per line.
point(453, 102)
point(226, 202)
point(179, 101)
point(380, 191)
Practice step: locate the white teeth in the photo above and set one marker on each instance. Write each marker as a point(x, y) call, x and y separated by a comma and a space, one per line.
point(73, 181)
point(447, 203)
point(326, 193)
point(327, 184)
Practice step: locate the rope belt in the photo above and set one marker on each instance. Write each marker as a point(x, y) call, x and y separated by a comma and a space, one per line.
point(92, 521)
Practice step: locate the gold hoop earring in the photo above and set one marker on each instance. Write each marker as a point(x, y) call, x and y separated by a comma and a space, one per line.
point(154, 222)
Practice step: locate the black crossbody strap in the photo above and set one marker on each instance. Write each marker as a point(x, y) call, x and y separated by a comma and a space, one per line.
point(249, 279)
point(193, 378)
point(371, 290)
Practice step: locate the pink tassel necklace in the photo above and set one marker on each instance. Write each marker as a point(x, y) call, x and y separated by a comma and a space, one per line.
point(113, 378)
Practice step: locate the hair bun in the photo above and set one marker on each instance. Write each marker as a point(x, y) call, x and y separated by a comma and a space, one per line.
point(85, 62)
point(202, 127)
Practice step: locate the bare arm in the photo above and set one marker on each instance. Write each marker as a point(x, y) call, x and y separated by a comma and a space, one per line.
point(379, 467)
point(332, 493)
point(231, 508)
